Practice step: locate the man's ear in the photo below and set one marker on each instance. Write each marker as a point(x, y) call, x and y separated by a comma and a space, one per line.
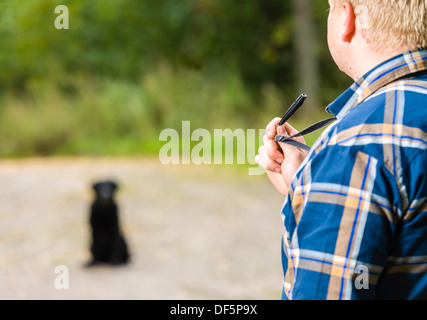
point(349, 22)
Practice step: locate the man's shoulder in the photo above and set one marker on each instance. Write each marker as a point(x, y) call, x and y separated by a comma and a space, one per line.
point(391, 125)
point(401, 105)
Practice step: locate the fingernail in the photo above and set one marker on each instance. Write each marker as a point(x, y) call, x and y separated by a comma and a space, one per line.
point(278, 170)
point(278, 160)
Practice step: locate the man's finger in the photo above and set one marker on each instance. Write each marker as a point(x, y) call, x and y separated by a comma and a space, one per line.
point(288, 130)
point(273, 150)
point(268, 163)
point(293, 155)
point(271, 128)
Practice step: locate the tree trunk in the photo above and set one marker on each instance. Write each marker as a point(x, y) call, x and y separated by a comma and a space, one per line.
point(305, 57)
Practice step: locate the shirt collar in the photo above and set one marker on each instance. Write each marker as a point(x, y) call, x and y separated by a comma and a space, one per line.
point(400, 66)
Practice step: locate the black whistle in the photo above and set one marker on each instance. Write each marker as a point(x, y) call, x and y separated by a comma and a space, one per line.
point(292, 109)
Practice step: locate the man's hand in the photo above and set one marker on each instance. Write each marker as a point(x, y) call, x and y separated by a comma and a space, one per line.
point(280, 160)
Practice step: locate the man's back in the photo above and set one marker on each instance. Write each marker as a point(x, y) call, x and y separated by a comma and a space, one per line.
point(355, 213)
point(359, 201)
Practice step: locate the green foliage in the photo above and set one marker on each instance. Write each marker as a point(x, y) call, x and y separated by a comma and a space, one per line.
point(127, 69)
point(123, 38)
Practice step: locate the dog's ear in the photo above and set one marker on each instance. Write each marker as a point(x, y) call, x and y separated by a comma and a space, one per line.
point(96, 186)
point(114, 185)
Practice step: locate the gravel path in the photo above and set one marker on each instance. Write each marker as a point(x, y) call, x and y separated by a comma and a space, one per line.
point(194, 232)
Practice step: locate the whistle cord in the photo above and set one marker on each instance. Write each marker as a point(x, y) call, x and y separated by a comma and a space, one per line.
point(310, 129)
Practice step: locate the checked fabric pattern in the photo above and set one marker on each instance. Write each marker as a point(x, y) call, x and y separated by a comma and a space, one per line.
point(360, 197)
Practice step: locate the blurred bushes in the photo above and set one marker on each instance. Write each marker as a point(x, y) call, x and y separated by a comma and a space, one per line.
point(127, 69)
point(107, 116)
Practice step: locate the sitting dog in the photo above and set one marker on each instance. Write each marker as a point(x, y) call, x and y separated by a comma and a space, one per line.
point(108, 243)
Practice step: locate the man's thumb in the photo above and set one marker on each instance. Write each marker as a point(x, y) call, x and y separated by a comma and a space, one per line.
point(291, 151)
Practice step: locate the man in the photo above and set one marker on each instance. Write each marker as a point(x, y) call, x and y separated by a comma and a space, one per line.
point(355, 212)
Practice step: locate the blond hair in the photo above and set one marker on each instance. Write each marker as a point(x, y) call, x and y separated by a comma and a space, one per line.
point(391, 24)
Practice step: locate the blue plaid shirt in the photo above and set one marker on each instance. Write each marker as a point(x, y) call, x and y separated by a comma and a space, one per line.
point(356, 214)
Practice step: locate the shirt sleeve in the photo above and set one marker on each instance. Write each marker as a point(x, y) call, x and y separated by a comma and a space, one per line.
point(339, 225)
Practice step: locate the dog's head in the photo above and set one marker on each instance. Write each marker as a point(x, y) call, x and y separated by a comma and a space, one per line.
point(104, 190)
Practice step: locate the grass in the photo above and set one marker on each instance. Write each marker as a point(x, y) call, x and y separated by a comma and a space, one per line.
point(91, 116)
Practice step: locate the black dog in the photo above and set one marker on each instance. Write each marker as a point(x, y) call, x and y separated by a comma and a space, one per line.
point(108, 244)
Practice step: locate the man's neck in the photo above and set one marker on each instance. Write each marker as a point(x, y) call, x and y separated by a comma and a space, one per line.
point(367, 59)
